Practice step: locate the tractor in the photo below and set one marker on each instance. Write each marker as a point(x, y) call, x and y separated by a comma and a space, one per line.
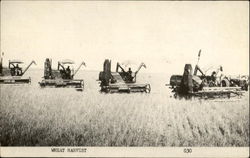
point(121, 80)
point(63, 76)
point(206, 86)
point(13, 74)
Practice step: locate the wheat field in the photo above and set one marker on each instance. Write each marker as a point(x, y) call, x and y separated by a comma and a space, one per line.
point(31, 116)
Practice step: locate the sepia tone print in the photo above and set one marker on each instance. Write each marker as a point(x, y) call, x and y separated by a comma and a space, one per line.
point(123, 74)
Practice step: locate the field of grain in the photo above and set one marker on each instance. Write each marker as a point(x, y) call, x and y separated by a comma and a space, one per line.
point(31, 116)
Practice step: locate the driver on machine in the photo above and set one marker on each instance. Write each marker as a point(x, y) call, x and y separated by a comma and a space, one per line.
point(219, 75)
point(18, 70)
point(130, 77)
point(68, 72)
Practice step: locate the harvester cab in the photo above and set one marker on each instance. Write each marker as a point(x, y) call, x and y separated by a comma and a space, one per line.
point(120, 80)
point(63, 76)
point(66, 68)
point(16, 69)
point(13, 74)
point(128, 76)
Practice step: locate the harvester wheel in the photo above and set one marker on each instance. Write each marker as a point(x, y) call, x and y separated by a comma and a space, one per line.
point(147, 88)
point(107, 90)
point(211, 84)
point(225, 83)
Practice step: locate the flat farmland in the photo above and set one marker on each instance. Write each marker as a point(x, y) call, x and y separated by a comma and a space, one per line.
point(31, 116)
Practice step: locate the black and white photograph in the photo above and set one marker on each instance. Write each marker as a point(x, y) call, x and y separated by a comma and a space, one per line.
point(148, 76)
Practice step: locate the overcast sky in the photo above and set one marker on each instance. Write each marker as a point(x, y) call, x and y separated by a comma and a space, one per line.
point(164, 35)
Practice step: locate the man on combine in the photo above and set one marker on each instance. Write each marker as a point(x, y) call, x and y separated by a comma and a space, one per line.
point(18, 70)
point(130, 77)
point(213, 76)
point(68, 73)
point(219, 75)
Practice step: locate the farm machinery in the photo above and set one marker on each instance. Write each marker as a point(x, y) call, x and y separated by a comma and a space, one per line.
point(63, 76)
point(215, 85)
point(13, 74)
point(121, 80)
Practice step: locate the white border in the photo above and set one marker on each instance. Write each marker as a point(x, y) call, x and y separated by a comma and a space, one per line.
point(126, 152)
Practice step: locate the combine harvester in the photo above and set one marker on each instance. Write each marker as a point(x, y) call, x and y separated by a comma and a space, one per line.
point(207, 86)
point(120, 81)
point(63, 76)
point(13, 74)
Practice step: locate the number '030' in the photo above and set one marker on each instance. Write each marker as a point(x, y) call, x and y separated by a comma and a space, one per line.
point(187, 150)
